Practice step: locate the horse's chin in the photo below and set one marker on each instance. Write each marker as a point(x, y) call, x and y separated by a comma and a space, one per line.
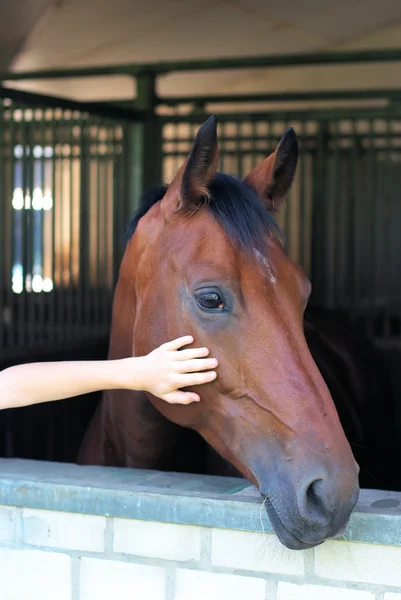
point(288, 539)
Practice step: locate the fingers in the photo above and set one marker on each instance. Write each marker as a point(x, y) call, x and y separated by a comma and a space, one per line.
point(196, 379)
point(191, 353)
point(178, 343)
point(179, 397)
point(190, 366)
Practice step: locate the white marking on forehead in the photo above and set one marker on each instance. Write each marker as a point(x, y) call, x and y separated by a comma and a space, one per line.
point(266, 264)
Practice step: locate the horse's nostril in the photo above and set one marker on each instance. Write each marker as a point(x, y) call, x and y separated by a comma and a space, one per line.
point(313, 489)
point(312, 505)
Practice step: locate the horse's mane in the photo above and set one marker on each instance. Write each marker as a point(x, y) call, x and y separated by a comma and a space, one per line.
point(235, 206)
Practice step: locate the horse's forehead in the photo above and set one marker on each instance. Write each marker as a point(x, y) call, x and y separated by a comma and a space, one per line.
point(266, 265)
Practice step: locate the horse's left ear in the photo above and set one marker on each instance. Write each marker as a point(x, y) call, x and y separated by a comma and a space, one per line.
point(273, 177)
point(189, 189)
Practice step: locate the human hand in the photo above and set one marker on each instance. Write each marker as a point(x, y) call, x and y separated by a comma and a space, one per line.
point(167, 369)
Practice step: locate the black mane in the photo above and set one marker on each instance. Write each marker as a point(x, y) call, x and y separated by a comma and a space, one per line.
point(235, 206)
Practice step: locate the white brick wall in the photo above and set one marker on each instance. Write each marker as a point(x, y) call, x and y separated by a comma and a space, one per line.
point(359, 562)
point(157, 540)
point(113, 580)
point(254, 552)
point(7, 524)
point(64, 530)
point(49, 555)
point(289, 591)
point(198, 585)
point(34, 575)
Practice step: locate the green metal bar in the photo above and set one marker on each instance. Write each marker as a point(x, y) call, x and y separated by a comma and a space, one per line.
point(39, 100)
point(84, 227)
point(282, 115)
point(96, 291)
point(106, 199)
point(3, 283)
point(159, 68)
point(41, 295)
point(120, 189)
point(394, 225)
point(71, 330)
point(61, 292)
point(150, 132)
point(353, 223)
point(318, 216)
point(346, 95)
point(302, 195)
point(24, 230)
point(239, 153)
point(52, 308)
point(391, 94)
point(374, 243)
point(336, 215)
point(254, 151)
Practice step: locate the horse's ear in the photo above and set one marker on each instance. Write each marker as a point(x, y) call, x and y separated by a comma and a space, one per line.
point(273, 177)
point(189, 189)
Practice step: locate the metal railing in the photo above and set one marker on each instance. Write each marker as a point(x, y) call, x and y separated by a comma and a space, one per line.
point(63, 205)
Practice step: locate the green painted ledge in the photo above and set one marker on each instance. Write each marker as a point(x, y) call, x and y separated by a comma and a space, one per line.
point(227, 503)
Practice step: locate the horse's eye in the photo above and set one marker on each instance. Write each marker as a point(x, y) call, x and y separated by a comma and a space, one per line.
point(210, 300)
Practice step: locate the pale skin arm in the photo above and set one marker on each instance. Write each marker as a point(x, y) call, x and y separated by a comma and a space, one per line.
point(162, 373)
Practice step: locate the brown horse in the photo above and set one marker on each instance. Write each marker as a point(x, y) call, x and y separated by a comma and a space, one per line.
point(205, 259)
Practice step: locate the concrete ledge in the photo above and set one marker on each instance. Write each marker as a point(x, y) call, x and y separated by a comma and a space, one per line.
point(224, 503)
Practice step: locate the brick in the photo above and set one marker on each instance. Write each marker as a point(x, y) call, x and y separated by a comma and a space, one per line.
point(34, 575)
point(200, 585)
point(157, 540)
point(64, 530)
point(254, 552)
point(290, 591)
point(7, 524)
point(106, 579)
point(368, 563)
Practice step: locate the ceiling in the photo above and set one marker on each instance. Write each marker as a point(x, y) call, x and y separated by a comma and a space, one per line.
point(42, 34)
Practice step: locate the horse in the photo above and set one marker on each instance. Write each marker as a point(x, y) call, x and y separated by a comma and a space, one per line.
point(205, 257)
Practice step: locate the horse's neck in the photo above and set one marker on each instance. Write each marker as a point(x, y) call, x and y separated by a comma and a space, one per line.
point(135, 433)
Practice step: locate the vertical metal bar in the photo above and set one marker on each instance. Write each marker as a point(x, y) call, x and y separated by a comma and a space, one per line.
point(352, 221)
point(394, 225)
point(71, 328)
point(96, 290)
point(370, 285)
point(329, 223)
point(318, 217)
point(120, 189)
point(42, 215)
point(55, 198)
point(11, 303)
point(84, 226)
point(238, 142)
point(254, 151)
point(22, 324)
point(61, 291)
point(107, 198)
point(337, 224)
point(222, 147)
point(2, 226)
point(30, 324)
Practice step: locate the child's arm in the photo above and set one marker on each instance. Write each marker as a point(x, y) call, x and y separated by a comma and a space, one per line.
point(162, 373)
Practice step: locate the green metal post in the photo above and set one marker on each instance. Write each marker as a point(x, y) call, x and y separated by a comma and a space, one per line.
point(144, 144)
point(318, 253)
